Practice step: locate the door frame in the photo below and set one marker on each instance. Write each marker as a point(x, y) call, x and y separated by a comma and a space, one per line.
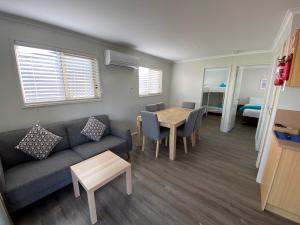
point(272, 110)
point(264, 120)
point(229, 68)
point(231, 90)
point(237, 78)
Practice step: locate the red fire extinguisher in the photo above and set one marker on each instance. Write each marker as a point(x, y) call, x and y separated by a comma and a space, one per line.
point(280, 71)
point(287, 67)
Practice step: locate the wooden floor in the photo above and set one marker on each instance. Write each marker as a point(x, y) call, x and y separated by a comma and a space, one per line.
point(214, 184)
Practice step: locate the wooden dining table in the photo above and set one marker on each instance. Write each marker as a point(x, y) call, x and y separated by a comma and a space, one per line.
point(170, 118)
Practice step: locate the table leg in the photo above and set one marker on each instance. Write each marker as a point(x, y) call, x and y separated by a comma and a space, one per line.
point(75, 185)
point(92, 206)
point(128, 181)
point(172, 142)
point(139, 132)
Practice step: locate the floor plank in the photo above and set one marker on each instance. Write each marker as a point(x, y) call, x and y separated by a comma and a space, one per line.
point(214, 184)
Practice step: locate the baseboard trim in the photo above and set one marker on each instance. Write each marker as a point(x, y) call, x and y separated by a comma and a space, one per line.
point(283, 213)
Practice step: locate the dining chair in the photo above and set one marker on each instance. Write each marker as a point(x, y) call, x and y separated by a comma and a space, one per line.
point(152, 130)
point(198, 122)
point(188, 105)
point(160, 106)
point(187, 129)
point(151, 108)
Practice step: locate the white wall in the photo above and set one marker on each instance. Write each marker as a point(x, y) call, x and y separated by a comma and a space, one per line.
point(250, 86)
point(120, 85)
point(215, 76)
point(289, 99)
point(187, 79)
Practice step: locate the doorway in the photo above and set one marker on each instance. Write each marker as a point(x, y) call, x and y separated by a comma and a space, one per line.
point(249, 94)
point(214, 92)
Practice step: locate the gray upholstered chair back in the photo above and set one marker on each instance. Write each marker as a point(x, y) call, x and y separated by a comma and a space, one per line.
point(190, 123)
point(151, 108)
point(150, 126)
point(188, 105)
point(160, 106)
point(198, 122)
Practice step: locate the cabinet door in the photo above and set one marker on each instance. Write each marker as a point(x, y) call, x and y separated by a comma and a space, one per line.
point(285, 193)
point(269, 172)
point(294, 80)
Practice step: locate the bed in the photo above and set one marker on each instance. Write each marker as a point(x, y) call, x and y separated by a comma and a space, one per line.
point(254, 113)
point(215, 89)
point(211, 91)
point(251, 112)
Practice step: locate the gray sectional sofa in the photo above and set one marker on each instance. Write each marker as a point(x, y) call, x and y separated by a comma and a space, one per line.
point(24, 180)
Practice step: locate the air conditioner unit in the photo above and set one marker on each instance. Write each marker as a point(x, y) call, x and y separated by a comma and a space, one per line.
point(120, 59)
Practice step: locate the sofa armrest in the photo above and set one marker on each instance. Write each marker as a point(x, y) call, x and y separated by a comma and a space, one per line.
point(122, 132)
point(4, 216)
point(2, 179)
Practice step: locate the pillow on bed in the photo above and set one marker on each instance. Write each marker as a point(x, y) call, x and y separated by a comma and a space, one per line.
point(256, 101)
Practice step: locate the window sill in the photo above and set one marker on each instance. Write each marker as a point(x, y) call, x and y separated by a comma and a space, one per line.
point(66, 102)
point(143, 96)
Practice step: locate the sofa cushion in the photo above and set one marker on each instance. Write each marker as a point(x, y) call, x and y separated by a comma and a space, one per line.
point(74, 128)
point(60, 130)
point(39, 142)
point(113, 143)
point(8, 140)
point(26, 180)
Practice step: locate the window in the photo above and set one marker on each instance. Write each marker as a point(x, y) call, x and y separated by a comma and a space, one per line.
point(49, 76)
point(150, 81)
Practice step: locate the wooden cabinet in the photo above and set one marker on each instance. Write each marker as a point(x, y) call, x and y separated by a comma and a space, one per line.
point(280, 187)
point(294, 48)
point(270, 171)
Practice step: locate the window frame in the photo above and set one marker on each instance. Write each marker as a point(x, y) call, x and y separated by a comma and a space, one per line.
point(150, 95)
point(25, 105)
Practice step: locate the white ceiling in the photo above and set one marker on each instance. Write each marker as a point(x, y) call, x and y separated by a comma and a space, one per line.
point(172, 29)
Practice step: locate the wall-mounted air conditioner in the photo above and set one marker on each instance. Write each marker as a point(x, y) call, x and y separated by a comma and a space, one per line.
point(120, 59)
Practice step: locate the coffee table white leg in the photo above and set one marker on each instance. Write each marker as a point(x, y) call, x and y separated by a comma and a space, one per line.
point(92, 206)
point(128, 181)
point(75, 185)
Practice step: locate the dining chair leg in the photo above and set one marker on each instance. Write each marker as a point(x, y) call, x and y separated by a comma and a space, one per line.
point(157, 148)
point(199, 136)
point(185, 145)
point(193, 139)
point(143, 145)
point(166, 141)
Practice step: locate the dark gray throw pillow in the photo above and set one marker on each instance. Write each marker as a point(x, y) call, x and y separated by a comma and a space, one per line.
point(39, 142)
point(94, 129)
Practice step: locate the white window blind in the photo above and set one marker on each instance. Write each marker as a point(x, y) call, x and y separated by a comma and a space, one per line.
point(49, 76)
point(150, 81)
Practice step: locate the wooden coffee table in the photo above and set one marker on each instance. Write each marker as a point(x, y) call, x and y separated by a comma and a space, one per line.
point(95, 172)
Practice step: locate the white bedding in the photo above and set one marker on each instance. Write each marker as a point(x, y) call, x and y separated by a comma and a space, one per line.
point(252, 113)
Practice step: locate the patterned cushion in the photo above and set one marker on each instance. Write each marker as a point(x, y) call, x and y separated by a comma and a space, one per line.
point(39, 142)
point(94, 129)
